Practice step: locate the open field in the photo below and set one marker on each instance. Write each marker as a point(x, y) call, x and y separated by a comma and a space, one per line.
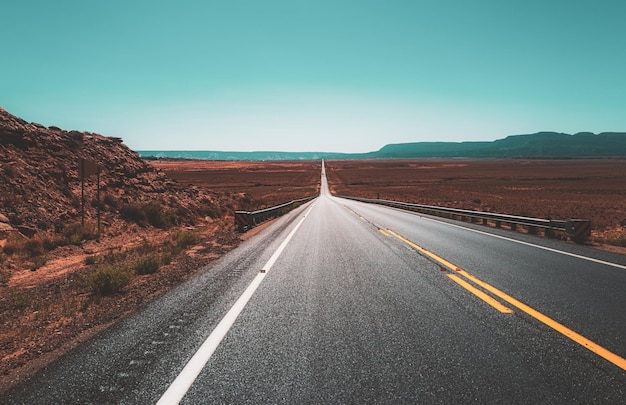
point(260, 184)
point(560, 189)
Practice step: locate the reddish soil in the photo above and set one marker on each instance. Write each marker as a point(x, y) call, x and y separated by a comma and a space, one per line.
point(560, 189)
point(260, 184)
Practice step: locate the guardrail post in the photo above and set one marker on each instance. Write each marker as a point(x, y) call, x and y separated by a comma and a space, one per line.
point(579, 230)
point(245, 220)
point(242, 220)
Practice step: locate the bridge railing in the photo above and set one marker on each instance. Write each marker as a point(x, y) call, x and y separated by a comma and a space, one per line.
point(245, 220)
point(579, 230)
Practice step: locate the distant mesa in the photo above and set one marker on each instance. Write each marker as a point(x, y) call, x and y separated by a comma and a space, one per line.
point(539, 145)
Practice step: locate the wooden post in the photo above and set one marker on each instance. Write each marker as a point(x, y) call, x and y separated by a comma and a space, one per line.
point(82, 191)
point(98, 200)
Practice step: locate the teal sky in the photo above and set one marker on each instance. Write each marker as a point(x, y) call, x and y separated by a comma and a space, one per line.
point(300, 75)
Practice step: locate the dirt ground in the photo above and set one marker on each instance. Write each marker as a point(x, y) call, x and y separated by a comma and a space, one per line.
point(261, 184)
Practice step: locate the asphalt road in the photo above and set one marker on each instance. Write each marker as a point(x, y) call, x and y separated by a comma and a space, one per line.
point(367, 304)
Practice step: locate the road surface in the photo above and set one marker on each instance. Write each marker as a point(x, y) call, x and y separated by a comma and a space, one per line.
point(344, 302)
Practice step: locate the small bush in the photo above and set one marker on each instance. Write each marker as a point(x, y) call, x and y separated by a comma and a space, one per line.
point(113, 257)
point(38, 262)
point(20, 299)
point(143, 249)
point(184, 239)
point(51, 242)
point(9, 171)
point(110, 280)
point(15, 244)
point(157, 216)
point(110, 201)
point(166, 258)
point(76, 233)
point(616, 240)
point(34, 247)
point(5, 276)
point(147, 265)
point(134, 214)
point(89, 260)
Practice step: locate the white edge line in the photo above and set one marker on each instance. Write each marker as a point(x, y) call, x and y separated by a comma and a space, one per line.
point(188, 375)
point(591, 259)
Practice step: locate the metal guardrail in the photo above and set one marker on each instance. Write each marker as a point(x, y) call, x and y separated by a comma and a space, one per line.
point(245, 220)
point(579, 230)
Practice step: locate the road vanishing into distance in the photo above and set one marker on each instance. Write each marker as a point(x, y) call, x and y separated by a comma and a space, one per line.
point(344, 302)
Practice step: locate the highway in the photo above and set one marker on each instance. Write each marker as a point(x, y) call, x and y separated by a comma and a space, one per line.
point(344, 302)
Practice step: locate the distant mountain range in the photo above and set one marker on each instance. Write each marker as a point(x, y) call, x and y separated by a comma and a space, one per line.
point(539, 145)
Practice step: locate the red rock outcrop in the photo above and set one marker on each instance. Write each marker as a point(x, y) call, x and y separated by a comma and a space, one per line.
point(40, 184)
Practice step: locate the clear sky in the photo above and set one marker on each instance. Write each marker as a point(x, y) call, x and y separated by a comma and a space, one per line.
point(314, 75)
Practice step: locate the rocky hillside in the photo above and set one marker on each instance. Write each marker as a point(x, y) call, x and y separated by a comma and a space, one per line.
point(40, 183)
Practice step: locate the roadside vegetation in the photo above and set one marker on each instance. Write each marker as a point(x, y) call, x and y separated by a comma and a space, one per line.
point(37, 320)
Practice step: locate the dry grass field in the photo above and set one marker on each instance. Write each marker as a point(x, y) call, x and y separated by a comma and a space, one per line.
point(260, 184)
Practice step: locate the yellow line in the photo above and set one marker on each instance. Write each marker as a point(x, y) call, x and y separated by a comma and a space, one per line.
point(581, 340)
point(383, 232)
point(489, 300)
point(424, 251)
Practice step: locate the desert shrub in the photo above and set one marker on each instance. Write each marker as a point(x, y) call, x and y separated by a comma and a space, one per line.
point(186, 215)
point(211, 212)
point(34, 247)
point(98, 204)
point(166, 257)
point(38, 262)
point(615, 240)
point(157, 216)
point(185, 239)
point(110, 280)
point(113, 257)
point(51, 242)
point(15, 244)
point(110, 200)
point(89, 260)
point(20, 299)
point(134, 214)
point(76, 233)
point(147, 265)
point(9, 171)
point(143, 249)
point(44, 224)
point(5, 276)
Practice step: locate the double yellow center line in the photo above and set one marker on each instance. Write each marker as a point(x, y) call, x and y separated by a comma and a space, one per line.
point(583, 341)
